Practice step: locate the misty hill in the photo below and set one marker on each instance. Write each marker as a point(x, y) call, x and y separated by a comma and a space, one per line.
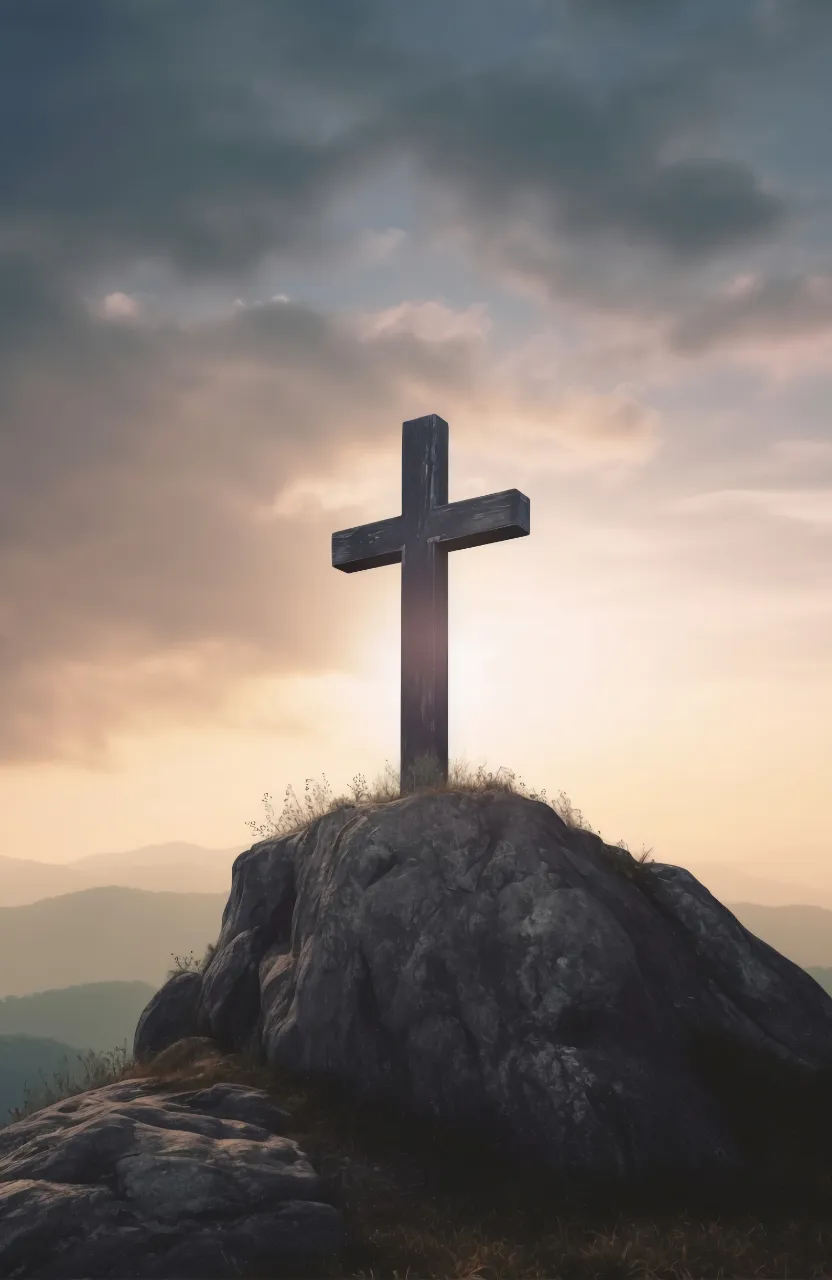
point(98, 1015)
point(823, 976)
point(103, 935)
point(803, 934)
point(23, 880)
point(183, 867)
point(175, 853)
point(731, 882)
point(176, 867)
point(26, 1059)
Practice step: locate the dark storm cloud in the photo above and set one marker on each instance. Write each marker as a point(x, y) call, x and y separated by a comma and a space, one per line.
point(140, 128)
point(602, 168)
point(531, 146)
point(210, 135)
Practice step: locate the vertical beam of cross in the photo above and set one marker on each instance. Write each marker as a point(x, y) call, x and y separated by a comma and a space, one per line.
point(424, 634)
point(420, 539)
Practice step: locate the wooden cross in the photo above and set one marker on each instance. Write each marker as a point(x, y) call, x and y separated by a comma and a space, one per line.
point(420, 538)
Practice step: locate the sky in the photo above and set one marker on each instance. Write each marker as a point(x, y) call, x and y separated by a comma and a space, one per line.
point(240, 244)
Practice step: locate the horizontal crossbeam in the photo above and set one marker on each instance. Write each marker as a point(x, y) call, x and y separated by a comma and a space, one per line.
point(494, 517)
point(367, 546)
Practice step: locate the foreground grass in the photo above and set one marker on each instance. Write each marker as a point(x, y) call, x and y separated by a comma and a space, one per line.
point(89, 1070)
point(420, 1198)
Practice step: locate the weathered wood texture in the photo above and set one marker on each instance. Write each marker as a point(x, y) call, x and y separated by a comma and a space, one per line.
point(420, 538)
point(368, 545)
point(424, 638)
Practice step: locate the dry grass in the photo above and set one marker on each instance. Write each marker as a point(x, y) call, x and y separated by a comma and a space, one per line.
point(191, 963)
point(420, 1198)
point(90, 1071)
point(426, 779)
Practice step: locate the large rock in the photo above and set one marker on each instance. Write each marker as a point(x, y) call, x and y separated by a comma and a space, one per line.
point(478, 959)
point(171, 1014)
point(125, 1181)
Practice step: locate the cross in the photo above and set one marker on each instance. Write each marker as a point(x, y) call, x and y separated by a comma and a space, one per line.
point(420, 538)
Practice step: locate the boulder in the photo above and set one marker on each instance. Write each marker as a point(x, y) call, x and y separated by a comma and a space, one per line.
point(473, 957)
point(129, 1181)
point(171, 1016)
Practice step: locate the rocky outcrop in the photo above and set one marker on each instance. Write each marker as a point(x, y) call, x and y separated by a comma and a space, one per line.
point(171, 1014)
point(478, 959)
point(127, 1181)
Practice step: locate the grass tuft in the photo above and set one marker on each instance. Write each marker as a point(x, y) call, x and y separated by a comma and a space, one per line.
point(425, 779)
point(191, 963)
point(92, 1070)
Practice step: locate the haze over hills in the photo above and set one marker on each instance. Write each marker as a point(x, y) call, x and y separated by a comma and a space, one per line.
point(50, 1030)
point(119, 916)
point(803, 934)
point(117, 934)
point(24, 880)
point(176, 867)
point(733, 882)
point(97, 1015)
point(29, 1060)
point(179, 853)
point(183, 867)
point(105, 934)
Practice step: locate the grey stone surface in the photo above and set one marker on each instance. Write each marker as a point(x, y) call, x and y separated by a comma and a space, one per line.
point(478, 959)
point(169, 1017)
point(130, 1181)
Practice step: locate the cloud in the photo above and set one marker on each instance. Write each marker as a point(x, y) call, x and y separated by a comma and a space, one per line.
point(582, 430)
point(118, 306)
point(430, 320)
point(168, 492)
point(514, 149)
point(139, 465)
point(168, 132)
point(375, 247)
point(803, 506)
point(755, 310)
point(211, 143)
point(802, 455)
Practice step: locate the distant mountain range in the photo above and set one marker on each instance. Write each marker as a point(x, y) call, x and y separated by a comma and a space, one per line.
point(734, 883)
point(51, 1030)
point(122, 935)
point(103, 935)
point(119, 916)
point(174, 868)
point(803, 934)
point(96, 1015)
point(180, 867)
point(78, 969)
